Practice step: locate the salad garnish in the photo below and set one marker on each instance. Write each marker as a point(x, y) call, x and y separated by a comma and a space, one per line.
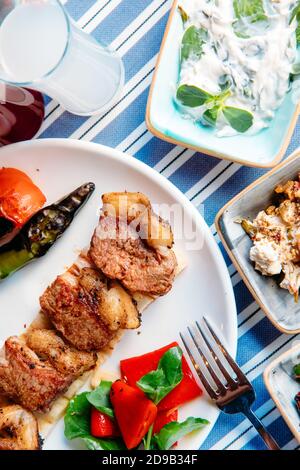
point(118, 415)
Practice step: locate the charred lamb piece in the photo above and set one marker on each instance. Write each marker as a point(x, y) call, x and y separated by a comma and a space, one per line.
point(133, 245)
point(33, 376)
point(87, 308)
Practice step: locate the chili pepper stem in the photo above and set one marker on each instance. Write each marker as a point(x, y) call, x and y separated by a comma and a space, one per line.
point(148, 438)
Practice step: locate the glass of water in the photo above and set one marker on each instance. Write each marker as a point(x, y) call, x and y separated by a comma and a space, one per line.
point(42, 48)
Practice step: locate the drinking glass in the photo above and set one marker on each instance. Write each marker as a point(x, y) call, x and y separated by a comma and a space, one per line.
point(42, 48)
point(21, 113)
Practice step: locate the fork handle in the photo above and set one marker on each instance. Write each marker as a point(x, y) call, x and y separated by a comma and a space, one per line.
point(260, 428)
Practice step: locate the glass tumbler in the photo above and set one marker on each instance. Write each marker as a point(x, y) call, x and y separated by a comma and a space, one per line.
point(42, 48)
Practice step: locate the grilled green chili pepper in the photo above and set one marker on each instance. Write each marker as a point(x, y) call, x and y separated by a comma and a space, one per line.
point(42, 230)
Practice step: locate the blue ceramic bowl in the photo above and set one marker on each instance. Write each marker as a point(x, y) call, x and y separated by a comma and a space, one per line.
point(163, 119)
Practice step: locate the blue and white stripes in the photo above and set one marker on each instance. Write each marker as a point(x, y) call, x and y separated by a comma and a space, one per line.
point(135, 29)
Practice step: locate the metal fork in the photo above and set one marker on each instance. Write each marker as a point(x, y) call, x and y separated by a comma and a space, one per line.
point(231, 394)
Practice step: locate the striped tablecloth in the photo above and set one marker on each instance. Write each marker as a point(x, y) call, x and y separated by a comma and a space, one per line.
point(135, 28)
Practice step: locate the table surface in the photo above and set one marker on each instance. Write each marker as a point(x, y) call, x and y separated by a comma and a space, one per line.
point(135, 29)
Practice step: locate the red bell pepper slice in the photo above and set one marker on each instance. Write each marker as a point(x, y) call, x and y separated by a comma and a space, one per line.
point(136, 367)
point(134, 412)
point(20, 198)
point(102, 425)
point(164, 417)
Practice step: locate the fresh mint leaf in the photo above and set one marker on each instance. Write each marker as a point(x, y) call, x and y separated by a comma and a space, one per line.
point(192, 43)
point(174, 431)
point(253, 10)
point(183, 14)
point(94, 443)
point(99, 398)
point(77, 417)
point(210, 116)
point(192, 96)
point(240, 119)
point(160, 382)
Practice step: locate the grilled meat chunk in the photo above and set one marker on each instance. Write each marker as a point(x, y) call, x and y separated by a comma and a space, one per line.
point(26, 379)
point(88, 309)
point(39, 367)
point(64, 358)
point(120, 253)
point(18, 429)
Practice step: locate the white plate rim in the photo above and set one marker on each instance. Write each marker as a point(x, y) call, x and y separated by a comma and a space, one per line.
point(102, 151)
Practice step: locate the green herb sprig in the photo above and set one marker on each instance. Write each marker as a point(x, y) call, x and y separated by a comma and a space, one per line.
point(239, 119)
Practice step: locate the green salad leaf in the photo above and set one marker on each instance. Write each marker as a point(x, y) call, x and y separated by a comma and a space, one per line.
point(192, 96)
point(77, 418)
point(192, 43)
point(174, 431)
point(240, 119)
point(99, 398)
point(160, 382)
point(94, 443)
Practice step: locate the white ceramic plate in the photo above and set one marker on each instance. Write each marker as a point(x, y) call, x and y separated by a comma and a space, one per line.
point(58, 166)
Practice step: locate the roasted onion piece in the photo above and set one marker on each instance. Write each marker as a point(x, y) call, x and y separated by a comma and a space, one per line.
point(136, 209)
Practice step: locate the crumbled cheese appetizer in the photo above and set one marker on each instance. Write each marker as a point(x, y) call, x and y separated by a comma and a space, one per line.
point(275, 233)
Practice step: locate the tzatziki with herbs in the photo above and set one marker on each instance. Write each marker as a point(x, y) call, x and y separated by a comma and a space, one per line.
point(237, 61)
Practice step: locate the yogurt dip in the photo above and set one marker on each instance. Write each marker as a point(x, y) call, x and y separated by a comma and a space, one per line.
point(240, 54)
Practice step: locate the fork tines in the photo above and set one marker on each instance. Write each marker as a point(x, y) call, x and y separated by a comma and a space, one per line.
point(214, 376)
